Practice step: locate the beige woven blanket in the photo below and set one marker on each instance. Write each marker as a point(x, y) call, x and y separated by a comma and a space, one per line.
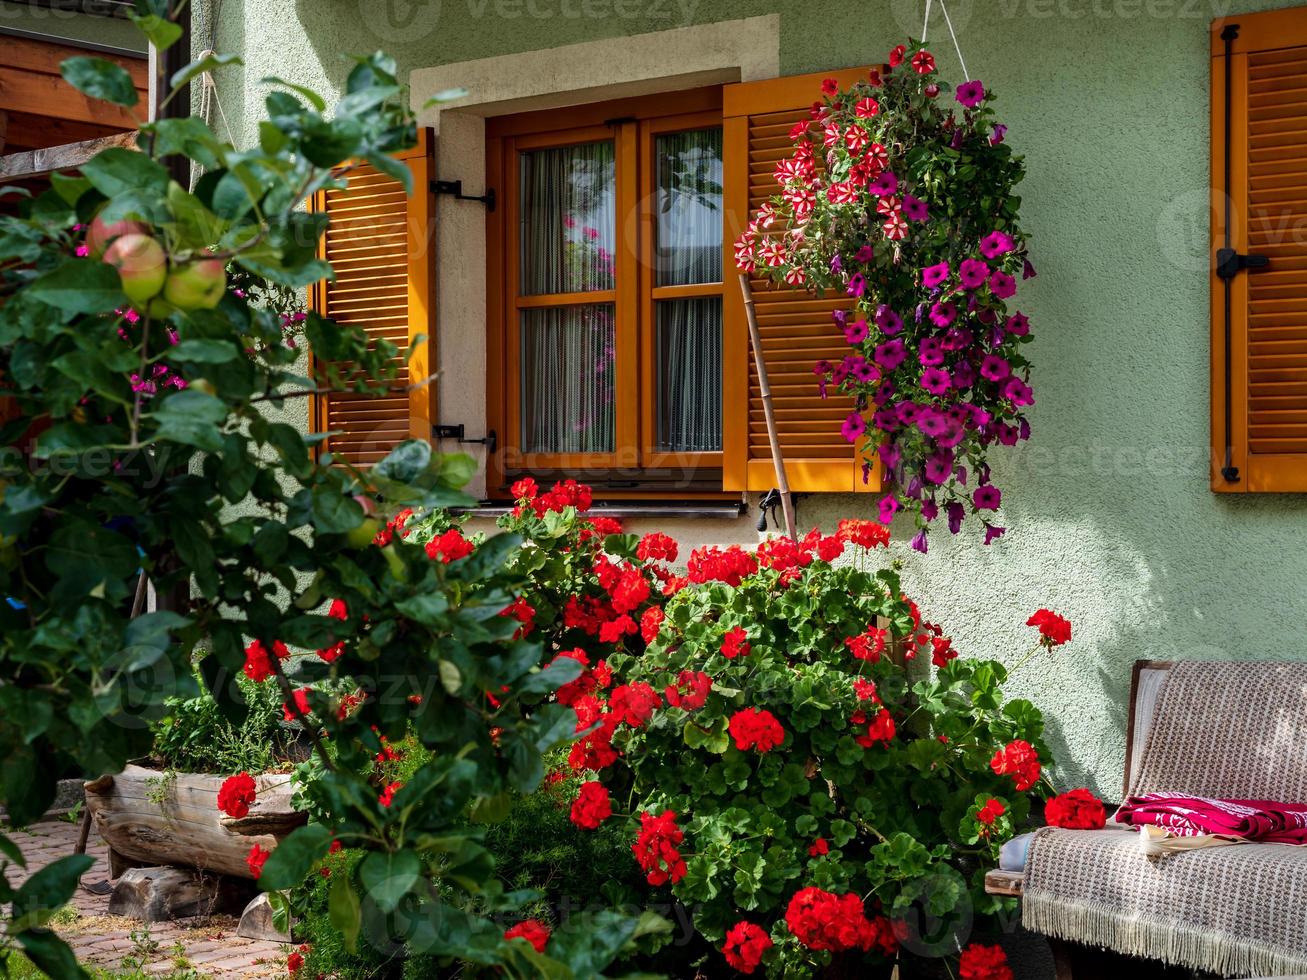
point(1226, 730)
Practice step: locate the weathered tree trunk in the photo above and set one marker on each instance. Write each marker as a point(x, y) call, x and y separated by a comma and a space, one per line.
point(162, 894)
point(161, 818)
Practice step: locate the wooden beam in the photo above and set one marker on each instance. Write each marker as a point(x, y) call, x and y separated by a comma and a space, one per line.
point(1007, 883)
point(28, 132)
point(50, 95)
point(33, 162)
point(44, 58)
point(4, 129)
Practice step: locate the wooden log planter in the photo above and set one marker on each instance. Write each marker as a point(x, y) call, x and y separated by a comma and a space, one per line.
point(151, 818)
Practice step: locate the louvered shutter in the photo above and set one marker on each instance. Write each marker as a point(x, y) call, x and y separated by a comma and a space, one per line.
point(381, 244)
point(796, 326)
point(1267, 323)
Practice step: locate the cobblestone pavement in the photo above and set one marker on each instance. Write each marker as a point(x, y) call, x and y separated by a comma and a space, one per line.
point(208, 946)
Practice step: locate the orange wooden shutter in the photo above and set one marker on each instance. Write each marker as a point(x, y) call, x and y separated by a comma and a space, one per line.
point(1267, 207)
point(381, 244)
point(796, 326)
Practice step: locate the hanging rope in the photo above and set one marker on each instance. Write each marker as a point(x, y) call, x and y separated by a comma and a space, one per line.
point(966, 75)
point(209, 98)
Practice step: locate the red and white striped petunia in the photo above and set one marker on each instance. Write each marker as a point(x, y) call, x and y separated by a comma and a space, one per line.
point(866, 108)
point(895, 228)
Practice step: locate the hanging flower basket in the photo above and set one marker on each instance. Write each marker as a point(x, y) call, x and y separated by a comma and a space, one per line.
point(899, 195)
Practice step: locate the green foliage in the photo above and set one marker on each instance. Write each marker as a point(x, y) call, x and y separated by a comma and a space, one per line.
point(151, 458)
point(195, 736)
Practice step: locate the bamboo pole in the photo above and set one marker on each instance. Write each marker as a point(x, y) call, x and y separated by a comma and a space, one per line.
point(764, 387)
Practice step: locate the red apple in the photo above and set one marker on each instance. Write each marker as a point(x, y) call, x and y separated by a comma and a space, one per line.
point(141, 265)
point(101, 234)
point(198, 285)
point(367, 503)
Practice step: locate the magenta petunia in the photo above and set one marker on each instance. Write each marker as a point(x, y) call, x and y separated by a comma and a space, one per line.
point(932, 424)
point(933, 275)
point(890, 354)
point(956, 512)
point(857, 285)
point(856, 332)
point(939, 466)
point(964, 375)
point(889, 504)
point(890, 454)
point(1002, 285)
point(884, 184)
point(864, 254)
point(1017, 392)
point(935, 380)
point(996, 137)
point(1018, 324)
point(919, 541)
point(972, 273)
point(888, 321)
point(931, 351)
point(994, 368)
point(996, 243)
point(992, 532)
point(854, 426)
point(860, 369)
point(987, 497)
point(942, 314)
point(970, 94)
point(914, 209)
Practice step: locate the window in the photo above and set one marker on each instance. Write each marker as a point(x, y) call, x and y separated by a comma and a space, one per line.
point(1258, 290)
point(610, 294)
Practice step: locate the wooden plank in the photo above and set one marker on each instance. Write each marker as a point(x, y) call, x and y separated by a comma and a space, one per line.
point(44, 57)
point(50, 95)
point(31, 162)
point(1006, 883)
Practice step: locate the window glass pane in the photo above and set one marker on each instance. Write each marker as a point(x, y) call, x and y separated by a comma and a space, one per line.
point(568, 223)
point(567, 379)
point(690, 375)
point(689, 207)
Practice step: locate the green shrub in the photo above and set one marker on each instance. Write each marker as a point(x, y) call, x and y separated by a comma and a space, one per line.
point(195, 736)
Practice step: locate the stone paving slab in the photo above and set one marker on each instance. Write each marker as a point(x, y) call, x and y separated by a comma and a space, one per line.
point(209, 945)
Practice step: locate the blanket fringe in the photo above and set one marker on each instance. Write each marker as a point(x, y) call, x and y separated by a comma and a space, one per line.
point(1180, 943)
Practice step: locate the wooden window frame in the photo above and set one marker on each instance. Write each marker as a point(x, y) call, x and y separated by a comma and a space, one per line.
point(632, 125)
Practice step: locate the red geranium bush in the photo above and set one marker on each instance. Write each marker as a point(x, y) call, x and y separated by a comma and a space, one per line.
point(805, 757)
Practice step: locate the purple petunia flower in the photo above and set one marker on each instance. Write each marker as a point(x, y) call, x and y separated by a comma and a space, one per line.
point(996, 137)
point(964, 375)
point(857, 285)
point(888, 321)
point(822, 369)
point(1017, 392)
point(952, 434)
point(1002, 285)
point(836, 264)
point(919, 541)
point(890, 454)
point(856, 332)
point(956, 142)
point(908, 412)
point(929, 509)
point(972, 273)
point(1018, 324)
point(861, 369)
point(942, 314)
point(840, 317)
point(914, 488)
point(970, 94)
point(994, 368)
point(884, 185)
point(958, 338)
point(1023, 432)
point(888, 505)
point(987, 497)
point(886, 419)
point(914, 209)
point(935, 380)
point(956, 512)
point(864, 254)
point(933, 275)
point(996, 243)
point(992, 532)
point(932, 423)
point(931, 352)
point(939, 466)
point(979, 417)
point(1028, 270)
point(854, 426)
point(1006, 434)
point(890, 354)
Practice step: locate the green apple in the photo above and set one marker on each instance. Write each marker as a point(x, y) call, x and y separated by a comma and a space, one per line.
point(141, 265)
point(101, 234)
point(360, 536)
point(198, 285)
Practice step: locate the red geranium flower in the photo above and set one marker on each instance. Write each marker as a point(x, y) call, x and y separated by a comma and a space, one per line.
point(387, 796)
point(449, 546)
point(868, 645)
point(983, 963)
point(237, 794)
point(1054, 630)
point(991, 811)
point(650, 623)
point(656, 848)
point(819, 847)
point(533, 931)
point(524, 489)
point(294, 963)
point(258, 665)
point(880, 727)
point(301, 697)
point(756, 728)
point(821, 920)
point(656, 546)
point(745, 945)
point(1019, 760)
point(633, 703)
point(690, 692)
point(1077, 809)
point(735, 643)
point(592, 806)
point(256, 859)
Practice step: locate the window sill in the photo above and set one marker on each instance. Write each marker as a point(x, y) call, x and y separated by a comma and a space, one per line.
point(632, 510)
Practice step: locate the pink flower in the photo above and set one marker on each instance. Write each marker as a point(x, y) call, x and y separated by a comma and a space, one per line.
point(935, 380)
point(987, 497)
point(914, 209)
point(854, 426)
point(970, 94)
point(1002, 285)
point(996, 243)
point(972, 273)
point(933, 275)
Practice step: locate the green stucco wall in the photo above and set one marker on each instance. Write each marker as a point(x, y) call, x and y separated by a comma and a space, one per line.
point(55, 23)
point(1111, 519)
